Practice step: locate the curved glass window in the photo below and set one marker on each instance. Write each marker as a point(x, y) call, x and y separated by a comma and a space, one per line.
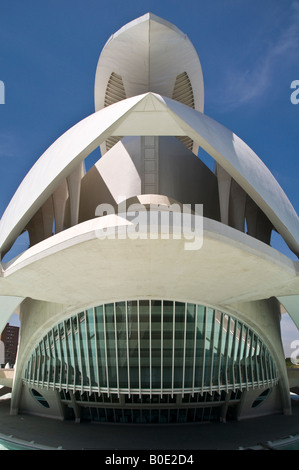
point(261, 398)
point(40, 398)
point(151, 346)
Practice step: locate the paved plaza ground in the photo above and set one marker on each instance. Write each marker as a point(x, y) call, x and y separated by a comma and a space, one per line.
point(211, 436)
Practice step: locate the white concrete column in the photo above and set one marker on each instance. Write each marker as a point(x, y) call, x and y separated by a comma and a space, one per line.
point(60, 196)
point(48, 217)
point(224, 185)
point(36, 228)
point(237, 206)
point(74, 188)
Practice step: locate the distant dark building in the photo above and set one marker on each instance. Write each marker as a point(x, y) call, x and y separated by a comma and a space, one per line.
point(10, 338)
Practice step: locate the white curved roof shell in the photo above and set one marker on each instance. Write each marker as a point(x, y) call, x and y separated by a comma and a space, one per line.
point(149, 53)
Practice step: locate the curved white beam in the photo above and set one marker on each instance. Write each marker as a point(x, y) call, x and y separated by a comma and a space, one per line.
point(150, 114)
point(56, 164)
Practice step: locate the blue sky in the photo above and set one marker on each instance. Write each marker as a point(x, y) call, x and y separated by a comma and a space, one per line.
point(249, 51)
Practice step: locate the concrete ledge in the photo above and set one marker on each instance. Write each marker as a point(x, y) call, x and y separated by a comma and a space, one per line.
point(6, 378)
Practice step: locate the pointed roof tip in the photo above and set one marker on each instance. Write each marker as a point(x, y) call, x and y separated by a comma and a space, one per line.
point(147, 17)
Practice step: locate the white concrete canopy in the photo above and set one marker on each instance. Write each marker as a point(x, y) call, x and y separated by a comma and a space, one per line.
point(149, 114)
point(82, 266)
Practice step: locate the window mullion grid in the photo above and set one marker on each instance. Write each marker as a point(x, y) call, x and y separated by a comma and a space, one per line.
point(250, 358)
point(273, 373)
point(233, 354)
point(61, 357)
point(128, 352)
point(139, 363)
point(116, 348)
point(40, 363)
point(150, 345)
point(80, 346)
point(267, 366)
point(212, 344)
point(257, 361)
point(37, 364)
point(271, 369)
point(162, 345)
point(106, 358)
point(262, 363)
point(226, 351)
point(88, 346)
point(32, 370)
point(184, 354)
point(49, 360)
point(28, 368)
point(220, 343)
point(44, 365)
point(204, 349)
point(55, 358)
point(246, 352)
point(73, 350)
point(194, 349)
point(96, 348)
point(240, 355)
point(67, 356)
point(173, 343)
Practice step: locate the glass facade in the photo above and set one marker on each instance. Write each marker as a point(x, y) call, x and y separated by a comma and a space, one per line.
point(150, 348)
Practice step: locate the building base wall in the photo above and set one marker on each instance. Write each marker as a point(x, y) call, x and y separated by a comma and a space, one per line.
point(29, 404)
point(253, 405)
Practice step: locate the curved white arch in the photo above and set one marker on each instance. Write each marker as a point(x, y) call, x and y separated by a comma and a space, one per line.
point(150, 114)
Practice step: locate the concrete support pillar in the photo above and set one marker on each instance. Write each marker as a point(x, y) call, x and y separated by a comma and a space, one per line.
point(237, 206)
point(224, 407)
point(258, 224)
point(251, 216)
point(224, 185)
point(60, 196)
point(76, 407)
point(48, 217)
point(74, 188)
point(36, 228)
